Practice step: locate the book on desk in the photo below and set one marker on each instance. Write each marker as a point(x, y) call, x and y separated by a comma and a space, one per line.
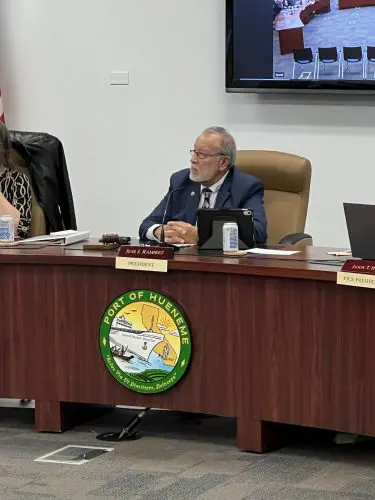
point(62, 238)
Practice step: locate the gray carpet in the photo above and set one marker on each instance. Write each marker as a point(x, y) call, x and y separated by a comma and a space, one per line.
point(338, 28)
point(178, 459)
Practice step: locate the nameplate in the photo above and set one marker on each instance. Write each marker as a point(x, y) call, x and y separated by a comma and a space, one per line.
point(145, 252)
point(144, 258)
point(359, 267)
point(134, 264)
point(359, 273)
point(141, 264)
point(355, 279)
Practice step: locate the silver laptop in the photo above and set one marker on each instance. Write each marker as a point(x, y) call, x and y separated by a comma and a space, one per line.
point(360, 222)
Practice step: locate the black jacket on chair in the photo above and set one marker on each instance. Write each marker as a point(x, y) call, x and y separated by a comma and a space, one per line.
point(45, 160)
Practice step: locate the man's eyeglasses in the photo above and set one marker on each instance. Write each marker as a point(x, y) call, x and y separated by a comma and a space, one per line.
point(202, 156)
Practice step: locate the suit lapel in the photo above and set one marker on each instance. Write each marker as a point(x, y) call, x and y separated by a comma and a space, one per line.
point(224, 191)
point(193, 196)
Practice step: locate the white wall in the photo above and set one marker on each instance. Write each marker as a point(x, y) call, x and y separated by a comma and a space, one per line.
point(122, 143)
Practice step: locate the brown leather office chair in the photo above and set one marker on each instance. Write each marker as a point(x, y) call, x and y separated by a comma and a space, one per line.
point(286, 178)
point(38, 221)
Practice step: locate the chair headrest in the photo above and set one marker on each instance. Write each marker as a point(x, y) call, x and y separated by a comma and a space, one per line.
point(277, 170)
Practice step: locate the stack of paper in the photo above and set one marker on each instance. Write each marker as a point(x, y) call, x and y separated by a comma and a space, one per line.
point(59, 238)
point(269, 251)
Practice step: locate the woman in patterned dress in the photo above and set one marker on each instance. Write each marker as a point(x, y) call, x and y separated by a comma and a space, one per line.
point(15, 189)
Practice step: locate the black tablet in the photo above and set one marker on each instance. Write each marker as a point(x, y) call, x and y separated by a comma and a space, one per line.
point(210, 223)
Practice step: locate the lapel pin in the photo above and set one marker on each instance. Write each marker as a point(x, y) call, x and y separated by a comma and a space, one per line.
point(192, 193)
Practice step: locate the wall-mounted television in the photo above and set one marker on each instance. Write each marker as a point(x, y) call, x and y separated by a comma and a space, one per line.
point(300, 45)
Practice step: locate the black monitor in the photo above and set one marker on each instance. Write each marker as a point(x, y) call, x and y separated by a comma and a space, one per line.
point(210, 227)
point(360, 222)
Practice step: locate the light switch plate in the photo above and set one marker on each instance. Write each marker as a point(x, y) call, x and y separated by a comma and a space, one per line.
point(119, 78)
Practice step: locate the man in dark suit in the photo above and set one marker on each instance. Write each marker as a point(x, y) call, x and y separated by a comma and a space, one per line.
point(211, 182)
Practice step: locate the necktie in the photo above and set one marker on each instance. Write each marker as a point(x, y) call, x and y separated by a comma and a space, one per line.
point(206, 197)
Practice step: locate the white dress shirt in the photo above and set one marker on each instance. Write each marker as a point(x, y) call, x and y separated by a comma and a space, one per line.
point(214, 188)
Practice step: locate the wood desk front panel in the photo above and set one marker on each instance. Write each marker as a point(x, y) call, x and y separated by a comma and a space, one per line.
point(51, 339)
point(269, 344)
point(316, 355)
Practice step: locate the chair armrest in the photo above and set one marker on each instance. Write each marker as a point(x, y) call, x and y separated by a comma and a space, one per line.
point(300, 239)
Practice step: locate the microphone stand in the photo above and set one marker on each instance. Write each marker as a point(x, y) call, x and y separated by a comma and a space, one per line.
point(171, 192)
point(127, 433)
point(162, 237)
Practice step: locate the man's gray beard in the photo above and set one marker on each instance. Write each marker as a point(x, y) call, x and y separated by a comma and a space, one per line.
point(191, 177)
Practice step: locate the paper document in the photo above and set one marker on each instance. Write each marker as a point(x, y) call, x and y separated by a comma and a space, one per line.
point(59, 238)
point(182, 245)
point(269, 251)
point(346, 253)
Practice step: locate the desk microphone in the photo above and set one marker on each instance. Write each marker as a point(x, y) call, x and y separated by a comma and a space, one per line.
point(166, 210)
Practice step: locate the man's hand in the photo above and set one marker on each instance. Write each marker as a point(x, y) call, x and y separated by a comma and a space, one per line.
point(180, 232)
point(170, 235)
point(177, 232)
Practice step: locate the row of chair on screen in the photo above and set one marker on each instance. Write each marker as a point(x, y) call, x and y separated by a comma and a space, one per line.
point(331, 55)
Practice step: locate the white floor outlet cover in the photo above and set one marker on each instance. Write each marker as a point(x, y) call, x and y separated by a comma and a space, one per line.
point(74, 455)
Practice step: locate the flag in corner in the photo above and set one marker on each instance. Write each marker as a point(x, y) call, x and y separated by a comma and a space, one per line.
point(2, 116)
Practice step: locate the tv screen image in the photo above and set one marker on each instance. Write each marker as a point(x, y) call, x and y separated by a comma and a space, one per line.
point(301, 44)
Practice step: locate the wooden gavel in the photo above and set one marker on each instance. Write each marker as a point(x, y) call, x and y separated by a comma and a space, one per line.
point(114, 239)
